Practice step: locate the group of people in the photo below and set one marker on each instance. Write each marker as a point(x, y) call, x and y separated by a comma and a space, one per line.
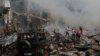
point(74, 33)
point(59, 44)
point(57, 40)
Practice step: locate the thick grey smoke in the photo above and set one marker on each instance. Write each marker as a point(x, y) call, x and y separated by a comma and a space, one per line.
point(84, 13)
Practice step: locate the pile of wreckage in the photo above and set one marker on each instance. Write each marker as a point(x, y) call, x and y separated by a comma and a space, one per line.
point(73, 43)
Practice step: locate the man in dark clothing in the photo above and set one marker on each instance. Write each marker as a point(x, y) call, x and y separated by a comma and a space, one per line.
point(81, 30)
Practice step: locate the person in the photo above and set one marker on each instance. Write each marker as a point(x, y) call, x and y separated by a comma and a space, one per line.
point(81, 30)
point(76, 35)
point(68, 32)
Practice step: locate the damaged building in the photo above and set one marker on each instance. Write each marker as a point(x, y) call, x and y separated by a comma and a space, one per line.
point(22, 33)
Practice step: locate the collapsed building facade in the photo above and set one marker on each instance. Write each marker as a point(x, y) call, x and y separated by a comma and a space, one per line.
point(16, 18)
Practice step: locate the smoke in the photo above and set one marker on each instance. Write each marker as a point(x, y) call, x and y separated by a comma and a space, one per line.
point(64, 13)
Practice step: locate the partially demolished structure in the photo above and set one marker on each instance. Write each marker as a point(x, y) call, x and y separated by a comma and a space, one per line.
point(20, 35)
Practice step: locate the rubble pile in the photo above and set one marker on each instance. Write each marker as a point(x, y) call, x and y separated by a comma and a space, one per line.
point(73, 43)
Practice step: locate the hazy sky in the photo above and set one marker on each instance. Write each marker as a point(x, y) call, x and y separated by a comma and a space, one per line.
point(72, 12)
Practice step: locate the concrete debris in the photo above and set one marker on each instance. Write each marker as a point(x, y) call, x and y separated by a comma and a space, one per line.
point(57, 44)
point(10, 39)
point(39, 42)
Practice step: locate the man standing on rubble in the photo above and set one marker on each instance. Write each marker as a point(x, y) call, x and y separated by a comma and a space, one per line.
point(68, 32)
point(57, 36)
point(81, 30)
point(76, 35)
